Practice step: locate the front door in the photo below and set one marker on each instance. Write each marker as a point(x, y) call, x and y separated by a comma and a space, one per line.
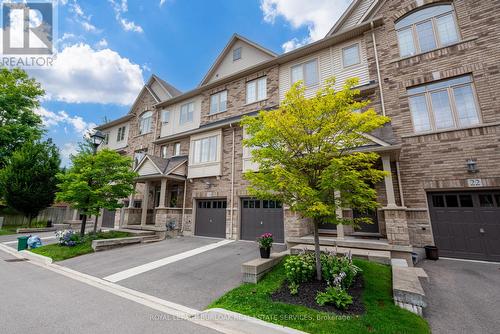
point(211, 218)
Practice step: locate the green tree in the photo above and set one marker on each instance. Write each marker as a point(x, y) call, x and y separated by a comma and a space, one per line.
point(19, 97)
point(307, 155)
point(95, 182)
point(29, 178)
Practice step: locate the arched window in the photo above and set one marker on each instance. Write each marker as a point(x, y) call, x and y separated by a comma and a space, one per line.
point(427, 29)
point(145, 122)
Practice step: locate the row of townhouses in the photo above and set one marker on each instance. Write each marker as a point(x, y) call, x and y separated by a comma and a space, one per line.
point(432, 66)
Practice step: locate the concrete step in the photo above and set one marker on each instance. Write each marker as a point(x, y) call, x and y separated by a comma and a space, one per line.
point(148, 241)
point(351, 242)
point(139, 233)
point(379, 256)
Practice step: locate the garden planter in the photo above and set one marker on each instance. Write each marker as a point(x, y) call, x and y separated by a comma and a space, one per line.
point(431, 252)
point(265, 253)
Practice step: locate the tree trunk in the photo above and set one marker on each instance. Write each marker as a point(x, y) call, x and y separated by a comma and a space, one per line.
point(29, 221)
point(95, 223)
point(84, 222)
point(317, 252)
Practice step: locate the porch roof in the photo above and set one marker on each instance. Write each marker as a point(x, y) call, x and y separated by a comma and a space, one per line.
point(151, 167)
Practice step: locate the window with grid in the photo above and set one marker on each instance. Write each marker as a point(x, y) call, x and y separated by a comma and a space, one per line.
point(121, 134)
point(427, 29)
point(145, 122)
point(444, 104)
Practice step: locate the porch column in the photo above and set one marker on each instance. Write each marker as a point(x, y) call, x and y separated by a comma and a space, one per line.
point(340, 227)
point(75, 214)
point(389, 188)
point(131, 198)
point(163, 191)
point(145, 203)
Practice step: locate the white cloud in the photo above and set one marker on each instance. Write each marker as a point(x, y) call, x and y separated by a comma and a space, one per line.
point(61, 118)
point(81, 74)
point(103, 43)
point(81, 17)
point(120, 8)
point(317, 15)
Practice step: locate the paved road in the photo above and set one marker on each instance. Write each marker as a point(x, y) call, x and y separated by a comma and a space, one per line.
point(36, 300)
point(463, 297)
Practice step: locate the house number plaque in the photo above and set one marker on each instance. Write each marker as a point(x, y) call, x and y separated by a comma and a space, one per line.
point(474, 183)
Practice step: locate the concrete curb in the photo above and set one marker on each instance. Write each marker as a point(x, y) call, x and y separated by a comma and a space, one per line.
point(243, 323)
point(36, 257)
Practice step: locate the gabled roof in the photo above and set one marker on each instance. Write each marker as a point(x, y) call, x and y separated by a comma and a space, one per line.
point(227, 49)
point(355, 5)
point(163, 166)
point(170, 90)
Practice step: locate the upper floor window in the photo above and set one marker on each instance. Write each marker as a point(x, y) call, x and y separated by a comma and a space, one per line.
point(443, 105)
point(205, 150)
point(308, 72)
point(145, 122)
point(187, 111)
point(427, 29)
point(106, 139)
point(177, 149)
point(138, 156)
point(164, 151)
point(218, 102)
point(350, 55)
point(165, 116)
point(121, 134)
point(237, 54)
point(256, 90)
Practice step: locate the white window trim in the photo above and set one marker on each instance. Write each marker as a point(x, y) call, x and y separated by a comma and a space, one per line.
point(180, 113)
point(241, 53)
point(439, 45)
point(165, 112)
point(357, 44)
point(302, 63)
point(218, 155)
point(256, 90)
point(453, 107)
point(150, 125)
point(121, 134)
point(175, 153)
point(218, 94)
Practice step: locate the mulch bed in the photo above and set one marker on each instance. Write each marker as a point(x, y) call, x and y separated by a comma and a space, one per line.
point(307, 297)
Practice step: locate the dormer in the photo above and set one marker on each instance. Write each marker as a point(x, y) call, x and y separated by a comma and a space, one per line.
point(239, 54)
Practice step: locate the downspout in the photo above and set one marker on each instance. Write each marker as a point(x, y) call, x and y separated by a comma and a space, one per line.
point(398, 174)
point(231, 209)
point(183, 206)
point(379, 77)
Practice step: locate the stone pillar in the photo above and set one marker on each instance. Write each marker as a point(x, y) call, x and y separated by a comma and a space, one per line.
point(396, 226)
point(131, 198)
point(163, 191)
point(145, 203)
point(389, 188)
point(340, 227)
point(75, 214)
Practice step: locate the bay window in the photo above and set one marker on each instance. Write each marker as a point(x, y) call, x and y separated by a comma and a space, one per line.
point(427, 29)
point(444, 105)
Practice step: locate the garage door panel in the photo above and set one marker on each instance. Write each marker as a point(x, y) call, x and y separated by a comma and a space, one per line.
point(259, 217)
point(211, 218)
point(466, 224)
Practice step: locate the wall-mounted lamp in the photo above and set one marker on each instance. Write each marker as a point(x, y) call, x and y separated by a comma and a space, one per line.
point(472, 166)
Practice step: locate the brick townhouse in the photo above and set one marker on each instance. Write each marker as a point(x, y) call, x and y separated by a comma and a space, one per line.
point(431, 66)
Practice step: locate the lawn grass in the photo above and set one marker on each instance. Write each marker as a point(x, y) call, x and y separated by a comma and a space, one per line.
point(381, 316)
point(12, 229)
point(58, 253)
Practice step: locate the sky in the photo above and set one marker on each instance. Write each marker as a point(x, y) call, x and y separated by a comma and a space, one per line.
point(107, 50)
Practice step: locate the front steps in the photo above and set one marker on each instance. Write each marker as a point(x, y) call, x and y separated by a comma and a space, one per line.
point(146, 235)
point(379, 256)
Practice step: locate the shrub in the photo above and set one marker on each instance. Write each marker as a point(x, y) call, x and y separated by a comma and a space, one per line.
point(299, 269)
point(68, 238)
point(338, 270)
point(334, 295)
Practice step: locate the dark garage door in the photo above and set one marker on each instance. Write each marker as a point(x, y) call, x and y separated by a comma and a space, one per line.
point(261, 216)
point(211, 218)
point(466, 224)
point(108, 218)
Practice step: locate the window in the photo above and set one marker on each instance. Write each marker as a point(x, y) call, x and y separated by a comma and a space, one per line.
point(145, 122)
point(165, 116)
point(138, 156)
point(438, 201)
point(121, 133)
point(427, 29)
point(486, 201)
point(106, 139)
point(164, 151)
point(256, 90)
point(237, 54)
point(218, 102)
point(308, 72)
point(466, 201)
point(177, 149)
point(205, 150)
point(443, 105)
point(350, 55)
point(137, 204)
point(187, 111)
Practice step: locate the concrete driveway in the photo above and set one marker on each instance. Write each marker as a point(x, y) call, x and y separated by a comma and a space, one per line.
point(193, 281)
point(463, 296)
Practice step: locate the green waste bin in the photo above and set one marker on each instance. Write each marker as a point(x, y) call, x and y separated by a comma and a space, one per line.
point(22, 243)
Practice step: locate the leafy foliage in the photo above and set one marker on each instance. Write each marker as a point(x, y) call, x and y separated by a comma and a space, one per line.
point(299, 269)
point(19, 97)
point(29, 179)
point(306, 152)
point(338, 270)
point(334, 295)
point(265, 240)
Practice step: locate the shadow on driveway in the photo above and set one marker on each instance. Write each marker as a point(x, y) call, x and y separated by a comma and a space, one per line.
point(462, 296)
